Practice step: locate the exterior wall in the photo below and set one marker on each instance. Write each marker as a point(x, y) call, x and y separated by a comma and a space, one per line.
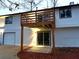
point(67, 29)
point(30, 36)
point(67, 37)
point(2, 20)
point(15, 23)
point(14, 27)
point(68, 22)
point(64, 37)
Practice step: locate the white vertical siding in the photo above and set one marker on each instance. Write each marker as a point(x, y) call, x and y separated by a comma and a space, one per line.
point(67, 37)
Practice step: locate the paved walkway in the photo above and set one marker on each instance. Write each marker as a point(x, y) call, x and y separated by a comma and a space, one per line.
point(8, 52)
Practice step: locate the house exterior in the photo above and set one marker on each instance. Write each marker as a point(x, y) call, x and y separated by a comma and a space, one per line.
point(65, 25)
point(50, 39)
point(43, 34)
point(10, 30)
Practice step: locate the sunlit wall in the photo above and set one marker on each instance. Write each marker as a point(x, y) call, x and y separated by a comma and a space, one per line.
point(30, 36)
point(2, 25)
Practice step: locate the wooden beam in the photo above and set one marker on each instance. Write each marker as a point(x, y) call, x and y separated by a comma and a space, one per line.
point(21, 38)
point(54, 49)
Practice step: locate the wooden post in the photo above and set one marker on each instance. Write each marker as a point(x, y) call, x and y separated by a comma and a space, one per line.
point(21, 38)
point(53, 34)
point(54, 50)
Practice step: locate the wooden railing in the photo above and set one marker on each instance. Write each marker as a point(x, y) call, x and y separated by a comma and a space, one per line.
point(41, 16)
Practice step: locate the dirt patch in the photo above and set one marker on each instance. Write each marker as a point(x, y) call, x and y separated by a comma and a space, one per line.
point(9, 52)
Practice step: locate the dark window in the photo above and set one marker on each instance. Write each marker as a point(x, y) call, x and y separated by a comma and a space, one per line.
point(43, 17)
point(43, 38)
point(40, 38)
point(65, 13)
point(62, 14)
point(68, 13)
point(46, 16)
point(8, 20)
point(39, 17)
